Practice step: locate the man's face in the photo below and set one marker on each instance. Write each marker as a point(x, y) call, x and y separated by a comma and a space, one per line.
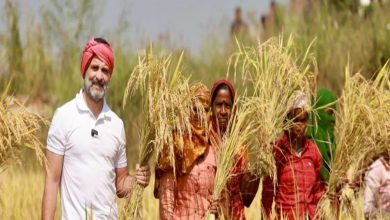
point(222, 108)
point(96, 79)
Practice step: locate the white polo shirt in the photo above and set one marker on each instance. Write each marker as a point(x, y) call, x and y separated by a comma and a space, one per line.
point(88, 175)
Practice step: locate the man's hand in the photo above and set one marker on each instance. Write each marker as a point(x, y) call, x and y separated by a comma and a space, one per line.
point(142, 175)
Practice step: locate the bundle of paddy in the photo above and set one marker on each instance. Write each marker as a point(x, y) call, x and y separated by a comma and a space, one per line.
point(18, 130)
point(168, 104)
point(234, 142)
point(274, 70)
point(362, 133)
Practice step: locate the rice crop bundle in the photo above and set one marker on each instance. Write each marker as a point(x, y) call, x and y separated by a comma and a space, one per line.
point(274, 70)
point(18, 130)
point(362, 133)
point(167, 103)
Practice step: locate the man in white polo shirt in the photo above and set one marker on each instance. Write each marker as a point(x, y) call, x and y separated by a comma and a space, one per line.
point(86, 147)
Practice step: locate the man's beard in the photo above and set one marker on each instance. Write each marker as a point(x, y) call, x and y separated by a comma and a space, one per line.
point(94, 94)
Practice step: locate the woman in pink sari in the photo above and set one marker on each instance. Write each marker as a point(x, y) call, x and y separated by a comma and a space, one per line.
point(189, 196)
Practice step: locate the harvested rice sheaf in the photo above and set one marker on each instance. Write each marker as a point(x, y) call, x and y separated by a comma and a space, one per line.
point(168, 103)
point(274, 70)
point(18, 130)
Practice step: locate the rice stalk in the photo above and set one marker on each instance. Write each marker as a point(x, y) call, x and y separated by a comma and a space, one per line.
point(18, 130)
point(168, 104)
point(133, 207)
point(275, 71)
point(237, 136)
point(362, 133)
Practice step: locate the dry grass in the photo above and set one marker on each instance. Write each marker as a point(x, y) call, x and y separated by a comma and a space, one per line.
point(18, 129)
point(362, 133)
point(21, 193)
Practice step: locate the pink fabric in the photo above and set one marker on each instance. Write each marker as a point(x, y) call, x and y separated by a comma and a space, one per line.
point(191, 195)
point(377, 191)
point(299, 187)
point(232, 200)
point(101, 50)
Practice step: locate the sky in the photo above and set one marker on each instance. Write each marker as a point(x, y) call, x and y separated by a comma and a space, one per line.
point(188, 22)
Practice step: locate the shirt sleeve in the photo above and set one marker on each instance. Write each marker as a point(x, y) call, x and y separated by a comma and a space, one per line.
point(121, 157)
point(56, 139)
point(372, 182)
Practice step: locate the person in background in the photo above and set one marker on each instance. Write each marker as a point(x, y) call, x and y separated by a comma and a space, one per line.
point(238, 28)
point(275, 19)
point(263, 28)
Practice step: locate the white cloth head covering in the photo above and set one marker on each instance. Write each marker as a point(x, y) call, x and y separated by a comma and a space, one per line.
point(299, 100)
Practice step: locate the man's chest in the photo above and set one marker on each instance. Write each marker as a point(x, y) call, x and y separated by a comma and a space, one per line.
point(88, 139)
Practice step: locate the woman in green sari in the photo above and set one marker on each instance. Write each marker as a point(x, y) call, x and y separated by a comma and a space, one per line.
point(322, 128)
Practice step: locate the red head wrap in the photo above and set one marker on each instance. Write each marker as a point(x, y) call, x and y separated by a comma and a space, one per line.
point(101, 50)
point(225, 82)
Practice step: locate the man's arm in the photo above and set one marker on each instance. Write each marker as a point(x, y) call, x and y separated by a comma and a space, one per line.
point(52, 182)
point(124, 182)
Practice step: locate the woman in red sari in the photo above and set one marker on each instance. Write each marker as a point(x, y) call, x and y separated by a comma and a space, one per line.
point(242, 186)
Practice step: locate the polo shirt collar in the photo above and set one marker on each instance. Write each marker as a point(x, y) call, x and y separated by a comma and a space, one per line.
point(82, 106)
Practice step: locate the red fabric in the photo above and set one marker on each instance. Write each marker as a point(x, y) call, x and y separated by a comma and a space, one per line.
point(267, 196)
point(226, 82)
point(235, 201)
point(101, 50)
point(299, 187)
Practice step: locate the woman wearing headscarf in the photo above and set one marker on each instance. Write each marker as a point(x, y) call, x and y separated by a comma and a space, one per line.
point(298, 162)
point(187, 193)
point(321, 130)
point(242, 186)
